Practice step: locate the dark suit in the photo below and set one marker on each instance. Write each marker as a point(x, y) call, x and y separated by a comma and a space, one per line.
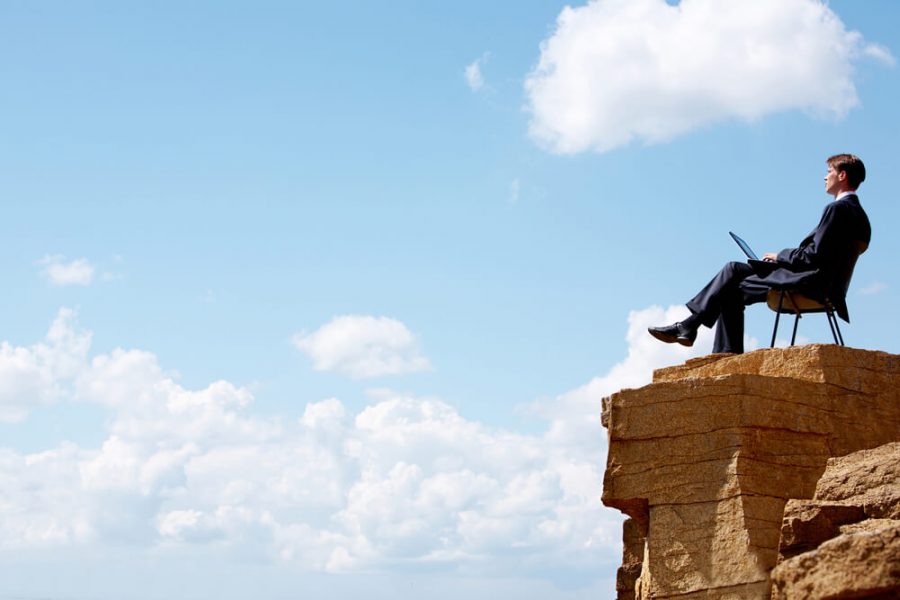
point(819, 268)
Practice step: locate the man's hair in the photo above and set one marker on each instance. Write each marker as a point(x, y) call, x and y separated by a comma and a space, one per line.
point(851, 165)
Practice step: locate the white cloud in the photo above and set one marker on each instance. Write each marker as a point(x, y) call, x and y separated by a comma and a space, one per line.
point(473, 74)
point(363, 346)
point(405, 481)
point(573, 415)
point(60, 272)
point(39, 374)
point(615, 71)
point(873, 288)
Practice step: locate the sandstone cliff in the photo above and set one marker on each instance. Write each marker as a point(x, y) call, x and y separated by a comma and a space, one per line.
point(707, 458)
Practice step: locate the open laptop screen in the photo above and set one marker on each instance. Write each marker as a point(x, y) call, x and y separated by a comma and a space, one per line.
point(744, 246)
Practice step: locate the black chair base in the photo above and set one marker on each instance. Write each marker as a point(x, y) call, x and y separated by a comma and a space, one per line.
point(814, 307)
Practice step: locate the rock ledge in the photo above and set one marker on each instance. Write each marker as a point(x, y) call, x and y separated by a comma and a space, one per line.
point(731, 465)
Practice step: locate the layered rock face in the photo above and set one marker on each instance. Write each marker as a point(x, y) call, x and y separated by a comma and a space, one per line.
point(845, 542)
point(706, 459)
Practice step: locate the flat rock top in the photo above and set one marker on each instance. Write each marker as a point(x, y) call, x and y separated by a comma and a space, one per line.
point(822, 363)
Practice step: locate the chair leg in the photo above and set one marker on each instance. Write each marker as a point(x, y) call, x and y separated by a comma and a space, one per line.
point(835, 328)
point(777, 316)
point(831, 326)
point(796, 319)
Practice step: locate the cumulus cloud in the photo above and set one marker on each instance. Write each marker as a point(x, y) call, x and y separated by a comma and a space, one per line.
point(405, 481)
point(39, 374)
point(363, 346)
point(58, 271)
point(614, 71)
point(573, 416)
point(474, 77)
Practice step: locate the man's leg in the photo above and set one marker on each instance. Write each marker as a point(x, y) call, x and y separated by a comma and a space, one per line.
point(707, 305)
point(730, 324)
point(721, 290)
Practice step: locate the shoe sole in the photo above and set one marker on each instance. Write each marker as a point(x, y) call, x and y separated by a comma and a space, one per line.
point(671, 339)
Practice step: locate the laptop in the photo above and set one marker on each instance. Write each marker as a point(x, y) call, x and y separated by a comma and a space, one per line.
point(762, 267)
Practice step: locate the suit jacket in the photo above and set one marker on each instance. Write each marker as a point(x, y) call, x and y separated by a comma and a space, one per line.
point(821, 266)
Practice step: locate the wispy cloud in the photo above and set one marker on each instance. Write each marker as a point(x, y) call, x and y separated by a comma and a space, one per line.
point(514, 190)
point(473, 74)
point(613, 71)
point(58, 271)
point(873, 288)
point(881, 53)
point(363, 346)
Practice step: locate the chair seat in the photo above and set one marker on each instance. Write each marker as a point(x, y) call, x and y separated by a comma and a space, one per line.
point(794, 301)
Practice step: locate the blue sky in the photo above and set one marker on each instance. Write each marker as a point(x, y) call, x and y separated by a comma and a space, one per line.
point(325, 298)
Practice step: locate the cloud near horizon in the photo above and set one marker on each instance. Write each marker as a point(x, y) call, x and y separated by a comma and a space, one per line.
point(405, 480)
point(618, 71)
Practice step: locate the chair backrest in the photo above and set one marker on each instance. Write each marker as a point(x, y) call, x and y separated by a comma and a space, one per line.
point(844, 272)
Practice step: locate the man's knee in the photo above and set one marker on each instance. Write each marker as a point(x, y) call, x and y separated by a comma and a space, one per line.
point(738, 270)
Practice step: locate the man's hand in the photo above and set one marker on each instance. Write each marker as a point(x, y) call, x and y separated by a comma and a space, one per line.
point(770, 257)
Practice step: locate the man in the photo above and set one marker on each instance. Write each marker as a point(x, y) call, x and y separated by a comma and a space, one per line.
point(820, 267)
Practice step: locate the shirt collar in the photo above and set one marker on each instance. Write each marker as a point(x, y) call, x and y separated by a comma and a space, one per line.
point(843, 195)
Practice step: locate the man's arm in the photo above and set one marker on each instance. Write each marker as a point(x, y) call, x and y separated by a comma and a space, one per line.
point(818, 248)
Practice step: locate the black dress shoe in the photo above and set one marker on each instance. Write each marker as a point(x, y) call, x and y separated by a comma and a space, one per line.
point(678, 332)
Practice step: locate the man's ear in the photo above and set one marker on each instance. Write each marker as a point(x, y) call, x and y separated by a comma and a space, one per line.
point(841, 175)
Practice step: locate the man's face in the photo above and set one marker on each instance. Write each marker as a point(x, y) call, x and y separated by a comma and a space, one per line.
point(834, 181)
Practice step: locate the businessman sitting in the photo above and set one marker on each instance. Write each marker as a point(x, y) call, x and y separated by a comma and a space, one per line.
point(819, 267)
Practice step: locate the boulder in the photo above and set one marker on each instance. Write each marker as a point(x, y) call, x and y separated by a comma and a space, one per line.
point(845, 542)
point(854, 565)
